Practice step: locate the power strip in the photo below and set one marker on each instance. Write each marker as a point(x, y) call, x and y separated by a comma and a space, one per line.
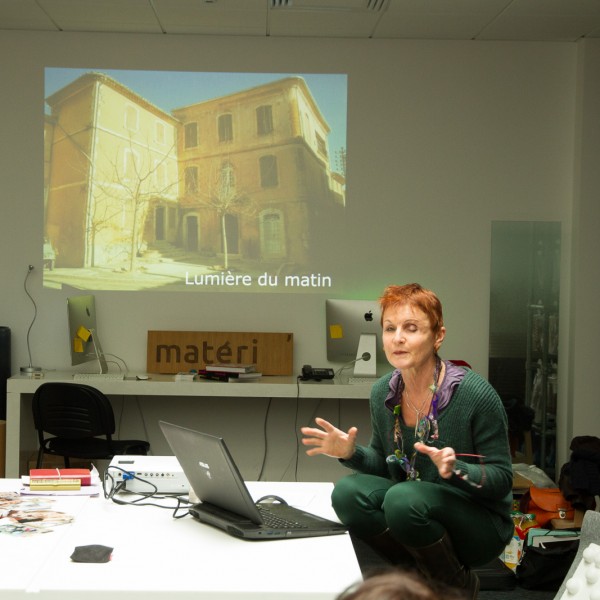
point(584, 584)
point(161, 472)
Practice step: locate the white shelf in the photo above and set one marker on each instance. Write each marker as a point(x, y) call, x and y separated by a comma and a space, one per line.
point(20, 387)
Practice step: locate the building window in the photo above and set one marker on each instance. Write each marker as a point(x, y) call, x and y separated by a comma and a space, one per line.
point(132, 118)
point(160, 174)
point(131, 160)
point(159, 223)
point(272, 235)
point(171, 217)
point(268, 171)
point(227, 183)
point(191, 180)
point(159, 132)
point(264, 119)
point(225, 128)
point(191, 135)
point(321, 145)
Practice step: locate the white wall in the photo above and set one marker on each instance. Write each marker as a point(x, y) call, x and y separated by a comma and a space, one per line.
point(443, 138)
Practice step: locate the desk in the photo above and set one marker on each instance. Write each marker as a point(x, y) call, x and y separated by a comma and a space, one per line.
point(19, 386)
point(158, 557)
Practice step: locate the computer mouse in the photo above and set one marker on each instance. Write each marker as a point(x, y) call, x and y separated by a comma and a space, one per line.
point(271, 499)
point(141, 377)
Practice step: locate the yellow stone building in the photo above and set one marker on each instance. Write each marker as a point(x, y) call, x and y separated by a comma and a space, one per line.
point(242, 177)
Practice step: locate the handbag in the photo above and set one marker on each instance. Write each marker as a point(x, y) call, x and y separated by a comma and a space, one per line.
point(546, 504)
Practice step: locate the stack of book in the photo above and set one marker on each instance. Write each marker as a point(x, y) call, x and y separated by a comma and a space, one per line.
point(230, 372)
point(58, 479)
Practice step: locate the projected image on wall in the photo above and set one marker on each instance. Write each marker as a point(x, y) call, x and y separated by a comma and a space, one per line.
point(194, 181)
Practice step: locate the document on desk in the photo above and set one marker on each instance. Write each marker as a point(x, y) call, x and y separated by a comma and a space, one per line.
point(85, 490)
point(88, 490)
point(30, 515)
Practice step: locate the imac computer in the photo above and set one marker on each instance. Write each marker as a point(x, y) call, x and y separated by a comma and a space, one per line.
point(83, 334)
point(354, 335)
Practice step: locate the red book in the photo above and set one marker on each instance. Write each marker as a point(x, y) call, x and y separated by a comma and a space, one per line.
point(214, 375)
point(56, 475)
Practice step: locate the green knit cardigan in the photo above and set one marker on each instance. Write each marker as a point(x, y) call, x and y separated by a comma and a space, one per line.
point(474, 422)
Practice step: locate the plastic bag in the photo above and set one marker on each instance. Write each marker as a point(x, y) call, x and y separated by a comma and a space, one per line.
point(534, 474)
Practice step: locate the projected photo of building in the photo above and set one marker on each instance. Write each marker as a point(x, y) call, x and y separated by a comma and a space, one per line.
point(239, 185)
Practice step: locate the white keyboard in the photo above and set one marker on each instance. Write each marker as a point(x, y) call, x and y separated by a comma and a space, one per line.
point(98, 376)
point(359, 380)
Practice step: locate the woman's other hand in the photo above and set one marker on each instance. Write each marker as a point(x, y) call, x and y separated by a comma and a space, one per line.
point(444, 459)
point(329, 440)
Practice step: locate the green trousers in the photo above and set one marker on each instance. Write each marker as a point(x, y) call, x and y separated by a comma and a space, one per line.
point(417, 514)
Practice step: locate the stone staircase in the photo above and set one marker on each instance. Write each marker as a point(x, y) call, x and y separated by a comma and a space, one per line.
point(163, 251)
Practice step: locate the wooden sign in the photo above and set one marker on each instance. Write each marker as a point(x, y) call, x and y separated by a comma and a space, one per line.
point(175, 351)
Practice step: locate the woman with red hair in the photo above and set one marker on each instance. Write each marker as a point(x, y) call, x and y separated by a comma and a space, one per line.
point(434, 485)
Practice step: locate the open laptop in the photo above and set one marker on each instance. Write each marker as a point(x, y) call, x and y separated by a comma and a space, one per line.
point(225, 501)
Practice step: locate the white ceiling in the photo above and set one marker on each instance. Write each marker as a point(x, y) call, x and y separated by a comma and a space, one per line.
point(525, 20)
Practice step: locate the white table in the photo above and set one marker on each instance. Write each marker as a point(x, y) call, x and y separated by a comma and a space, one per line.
point(19, 387)
point(158, 557)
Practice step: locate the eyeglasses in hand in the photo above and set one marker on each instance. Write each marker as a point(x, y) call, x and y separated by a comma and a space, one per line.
point(465, 476)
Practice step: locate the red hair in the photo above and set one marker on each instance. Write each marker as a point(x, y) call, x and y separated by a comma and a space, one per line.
point(417, 296)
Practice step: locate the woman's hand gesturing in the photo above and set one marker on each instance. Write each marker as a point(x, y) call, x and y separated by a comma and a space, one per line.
point(444, 459)
point(329, 440)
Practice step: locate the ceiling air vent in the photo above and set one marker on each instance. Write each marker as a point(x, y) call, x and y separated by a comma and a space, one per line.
point(332, 5)
point(376, 5)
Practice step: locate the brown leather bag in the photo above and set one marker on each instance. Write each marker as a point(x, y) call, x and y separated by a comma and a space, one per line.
point(546, 504)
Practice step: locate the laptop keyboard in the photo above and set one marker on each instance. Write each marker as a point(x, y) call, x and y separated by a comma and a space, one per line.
point(277, 522)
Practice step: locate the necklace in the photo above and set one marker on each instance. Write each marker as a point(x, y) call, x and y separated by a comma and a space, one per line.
point(426, 427)
point(418, 411)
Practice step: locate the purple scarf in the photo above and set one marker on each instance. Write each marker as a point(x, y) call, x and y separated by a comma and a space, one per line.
point(452, 378)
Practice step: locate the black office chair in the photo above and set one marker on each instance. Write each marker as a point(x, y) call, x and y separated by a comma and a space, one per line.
point(75, 416)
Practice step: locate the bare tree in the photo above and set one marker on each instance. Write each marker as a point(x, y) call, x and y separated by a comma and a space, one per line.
point(225, 197)
point(132, 188)
point(131, 185)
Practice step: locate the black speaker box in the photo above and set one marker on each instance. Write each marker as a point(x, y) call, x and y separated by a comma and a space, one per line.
point(5, 371)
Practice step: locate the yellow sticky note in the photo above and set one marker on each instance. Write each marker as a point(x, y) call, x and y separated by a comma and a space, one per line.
point(77, 345)
point(336, 332)
point(83, 333)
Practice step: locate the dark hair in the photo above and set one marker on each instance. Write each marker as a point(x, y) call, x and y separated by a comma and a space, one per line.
point(394, 585)
point(415, 295)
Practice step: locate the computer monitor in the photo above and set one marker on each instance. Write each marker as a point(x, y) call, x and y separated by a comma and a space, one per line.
point(354, 334)
point(84, 342)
